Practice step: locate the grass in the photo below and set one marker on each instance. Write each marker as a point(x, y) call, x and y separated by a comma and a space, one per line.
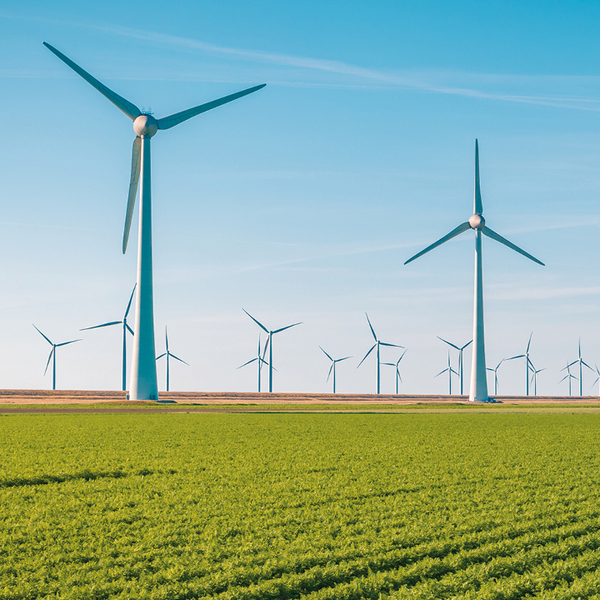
point(339, 506)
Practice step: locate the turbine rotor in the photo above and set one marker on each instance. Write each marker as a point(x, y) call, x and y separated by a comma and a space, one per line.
point(145, 125)
point(476, 221)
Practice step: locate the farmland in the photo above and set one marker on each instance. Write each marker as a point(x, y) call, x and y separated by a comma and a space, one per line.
point(327, 506)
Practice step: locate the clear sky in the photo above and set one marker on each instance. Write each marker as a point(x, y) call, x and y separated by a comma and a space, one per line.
point(302, 202)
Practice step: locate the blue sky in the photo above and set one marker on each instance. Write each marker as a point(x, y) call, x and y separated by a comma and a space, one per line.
point(302, 201)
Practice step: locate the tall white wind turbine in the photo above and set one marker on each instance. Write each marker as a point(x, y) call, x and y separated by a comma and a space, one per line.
point(528, 364)
point(478, 391)
point(260, 359)
point(143, 384)
point(126, 328)
point(378, 343)
point(334, 361)
point(461, 363)
point(270, 343)
point(52, 356)
point(169, 355)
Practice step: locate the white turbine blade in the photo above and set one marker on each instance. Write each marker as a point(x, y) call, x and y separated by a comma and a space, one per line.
point(166, 340)
point(449, 343)
point(518, 356)
point(179, 359)
point(163, 354)
point(477, 204)
point(467, 344)
point(495, 236)
point(44, 336)
point(325, 353)
point(341, 359)
point(399, 376)
point(103, 325)
point(130, 300)
point(259, 324)
point(66, 343)
point(389, 364)
point(563, 378)
point(136, 164)
point(442, 372)
point(453, 371)
point(247, 363)
point(529, 343)
point(184, 115)
point(457, 231)
point(287, 327)
point(569, 365)
point(586, 365)
point(49, 359)
point(390, 345)
point(401, 357)
point(490, 369)
point(329, 374)
point(265, 349)
point(371, 326)
point(367, 354)
point(129, 329)
point(131, 110)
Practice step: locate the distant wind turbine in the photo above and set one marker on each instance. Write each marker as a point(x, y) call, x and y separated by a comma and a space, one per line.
point(126, 328)
point(478, 391)
point(528, 364)
point(260, 359)
point(581, 364)
point(450, 371)
point(144, 384)
point(334, 361)
point(534, 374)
point(270, 343)
point(460, 349)
point(495, 372)
point(397, 365)
point(568, 376)
point(378, 343)
point(52, 356)
point(597, 378)
point(169, 354)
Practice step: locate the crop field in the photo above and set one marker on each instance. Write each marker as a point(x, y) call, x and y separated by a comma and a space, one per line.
point(321, 506)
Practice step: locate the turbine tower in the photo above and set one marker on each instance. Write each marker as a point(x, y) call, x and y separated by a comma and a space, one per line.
point(378, 343)
point(478, 391)
point(169, 355)
point(397, 365)
point(528, 364)
point(143, 384)
point(448, 370)
point(260, 358)
point(270, 343)
point(460, 349)
point(495, 372)
point(126, 328)
point(52, 356)
point(332, 368)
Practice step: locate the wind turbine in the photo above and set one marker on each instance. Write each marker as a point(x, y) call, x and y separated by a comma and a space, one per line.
point(270, 343)
point(397, 365)
point(534, 375)
point(126, 328)
point(460, 359)
point(143, 385)
point(448, 370)
point(568, 376)
point(260, 358)
point(53, 355)
point(582, 364)
point(597, 378)
point(495, 372)
point(169, 355)
point(334, 361)
point(378, 343)
point(478, 391)
point(528, 364)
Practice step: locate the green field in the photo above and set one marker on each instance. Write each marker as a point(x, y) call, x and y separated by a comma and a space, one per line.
point(259, 506)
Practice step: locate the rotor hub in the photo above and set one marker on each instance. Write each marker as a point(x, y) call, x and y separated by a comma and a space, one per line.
point(477, 222)
point(145, 125)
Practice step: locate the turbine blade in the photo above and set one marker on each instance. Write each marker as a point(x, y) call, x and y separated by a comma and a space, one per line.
point(477, 204)
point(66, 343)
point(166, 340)
point(103, 325)
point(44, 336)
point(467, 344)
point(341, 359)
point(288, 327)
point(329, 374)
point(456, 231)
point(401, 357)
point(529, 342)
point(129, 329)
point(179, 359)
point(265, 349)
point(442, 372)
point(259, 324)
point(492, 234)
point(129, 304)
point(325, 353)
point(563, 378)
point(518, 356)
point(390, 345)
point(49, 359)
point(246, 363)
point(371, 326)
point(136, 164)
point(184, 115)
point(131, 110)
point(367, 354)
point(586, 365)
point(449, 343)
point(163, 354)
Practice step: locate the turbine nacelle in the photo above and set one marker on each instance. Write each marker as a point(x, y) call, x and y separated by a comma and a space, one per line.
point(475, 222)
point(145, 125)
